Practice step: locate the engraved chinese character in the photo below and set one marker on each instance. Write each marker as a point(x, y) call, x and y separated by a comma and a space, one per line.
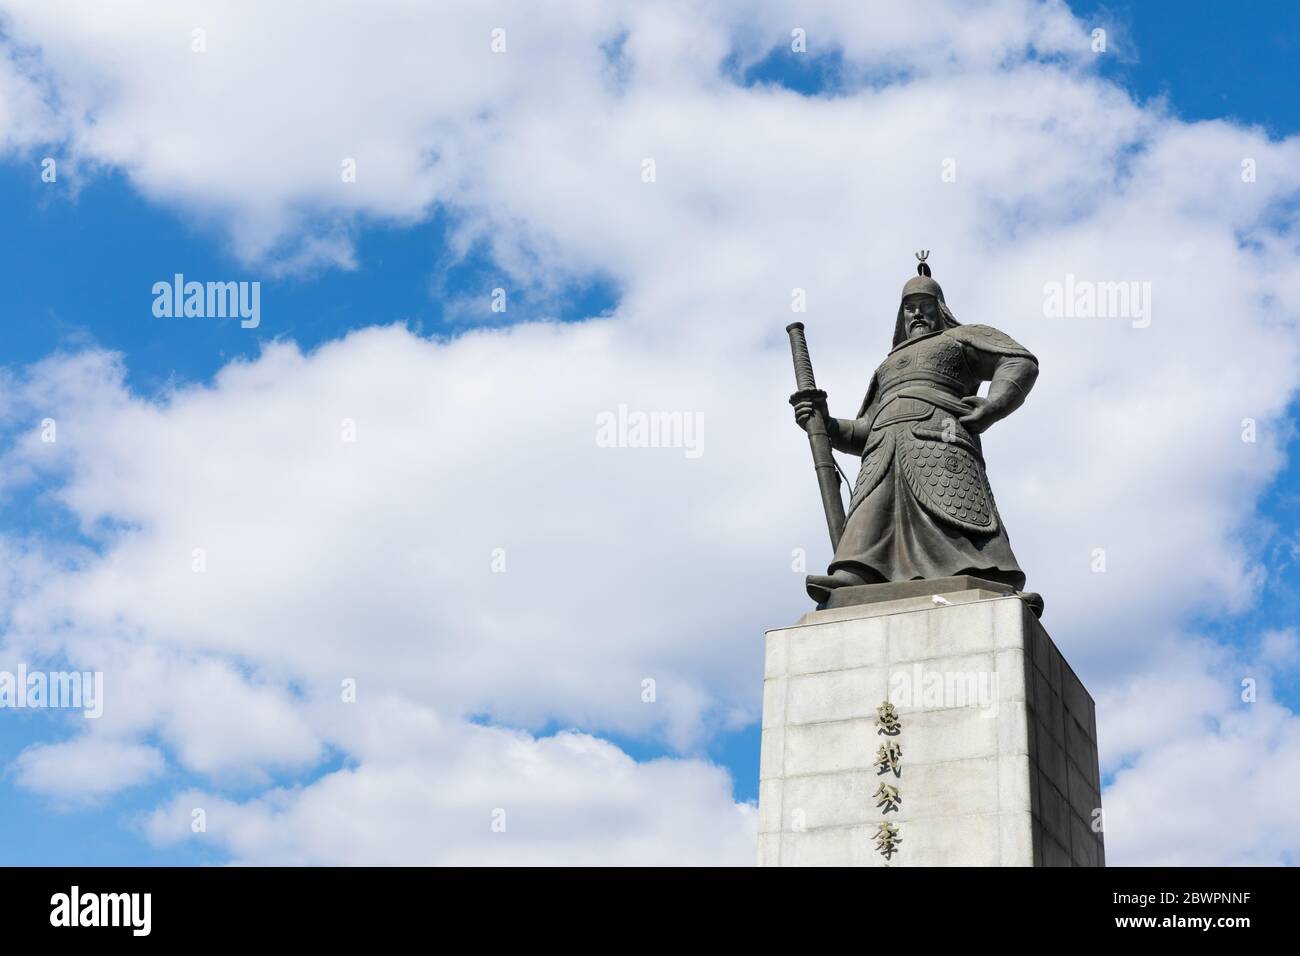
point(890, 757)
point(887, 839)
point(887, 796)
point(888, 720)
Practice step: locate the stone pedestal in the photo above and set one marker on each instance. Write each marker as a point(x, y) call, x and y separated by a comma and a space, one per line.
point(994, 755)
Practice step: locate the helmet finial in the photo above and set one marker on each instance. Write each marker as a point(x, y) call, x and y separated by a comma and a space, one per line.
point(921, 268)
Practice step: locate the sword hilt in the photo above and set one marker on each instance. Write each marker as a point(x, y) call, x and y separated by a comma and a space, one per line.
point(803, 373)
point(828, 478)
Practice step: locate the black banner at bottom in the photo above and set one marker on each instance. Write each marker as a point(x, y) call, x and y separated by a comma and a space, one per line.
point(214, 905)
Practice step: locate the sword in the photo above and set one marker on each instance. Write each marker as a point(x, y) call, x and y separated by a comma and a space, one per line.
point(828, 478)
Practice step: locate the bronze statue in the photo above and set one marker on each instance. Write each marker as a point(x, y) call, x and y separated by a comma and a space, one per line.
point(921, 507)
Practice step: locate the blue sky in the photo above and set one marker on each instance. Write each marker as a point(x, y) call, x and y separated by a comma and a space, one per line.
point(80, 264)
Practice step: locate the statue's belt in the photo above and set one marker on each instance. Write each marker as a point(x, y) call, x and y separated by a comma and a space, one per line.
point(915, 402)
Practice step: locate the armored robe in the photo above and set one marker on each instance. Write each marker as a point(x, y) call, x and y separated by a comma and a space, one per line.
point(921, 507)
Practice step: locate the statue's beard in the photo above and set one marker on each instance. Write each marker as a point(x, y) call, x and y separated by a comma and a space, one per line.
point(919, 326)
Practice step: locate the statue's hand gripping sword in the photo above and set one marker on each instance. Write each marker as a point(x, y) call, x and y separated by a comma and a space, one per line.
point(828, 479)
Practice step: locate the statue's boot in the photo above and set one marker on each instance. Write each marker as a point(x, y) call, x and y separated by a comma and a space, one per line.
point(820, 586)
point(1034, 600)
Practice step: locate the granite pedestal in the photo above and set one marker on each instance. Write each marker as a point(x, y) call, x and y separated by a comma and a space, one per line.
point(936, 726)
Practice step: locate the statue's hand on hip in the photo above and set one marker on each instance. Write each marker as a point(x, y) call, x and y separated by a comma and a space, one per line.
point(981, 415)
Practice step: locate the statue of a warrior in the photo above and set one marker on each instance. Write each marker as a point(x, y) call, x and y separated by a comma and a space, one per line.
point(921, 507)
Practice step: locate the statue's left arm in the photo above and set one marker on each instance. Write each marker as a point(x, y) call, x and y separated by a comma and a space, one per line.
point(1008, 367)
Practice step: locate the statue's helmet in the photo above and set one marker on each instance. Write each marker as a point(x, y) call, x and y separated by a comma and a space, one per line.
point(922, 284)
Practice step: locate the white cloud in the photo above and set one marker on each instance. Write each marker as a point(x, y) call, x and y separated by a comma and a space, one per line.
point(1204, 762)
point(253, 130)
point(86, 767)
point(327, 559)
point(372, 560)
point(427, 792)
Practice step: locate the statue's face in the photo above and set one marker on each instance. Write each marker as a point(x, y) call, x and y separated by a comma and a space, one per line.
point(921, 315)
